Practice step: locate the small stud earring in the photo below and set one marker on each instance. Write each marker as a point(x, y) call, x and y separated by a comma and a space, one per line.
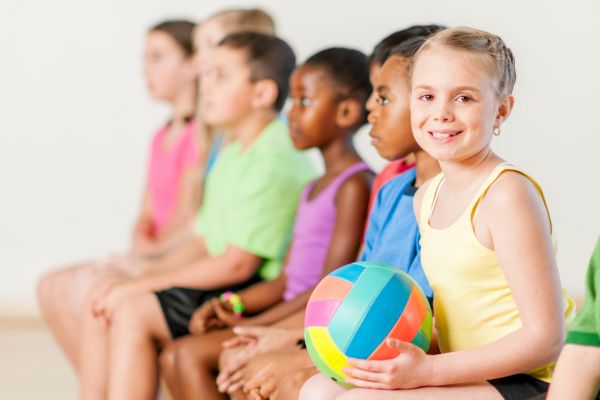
point(496, 131)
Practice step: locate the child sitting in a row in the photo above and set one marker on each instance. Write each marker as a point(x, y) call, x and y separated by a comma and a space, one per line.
point(486, 243)
point(243, 228)
point(170, 198)
point(577, 375)
point(182, 154)
point(279, 369)
point(329, 92)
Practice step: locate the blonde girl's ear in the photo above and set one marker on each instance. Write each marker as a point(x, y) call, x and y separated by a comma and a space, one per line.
point(264, 94)
point(505, 107)
point(349, 113)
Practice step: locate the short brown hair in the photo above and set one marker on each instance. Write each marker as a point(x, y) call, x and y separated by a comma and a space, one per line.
point(499, 57)
point(250, 20)
point(181, 31)
point(268, 58)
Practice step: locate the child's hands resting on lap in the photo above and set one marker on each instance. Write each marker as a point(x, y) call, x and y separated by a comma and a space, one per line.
point(263, 374)
point(205, 319)
point(251, 342)
point(110, 295)
point(214, 314)
point(408, 370)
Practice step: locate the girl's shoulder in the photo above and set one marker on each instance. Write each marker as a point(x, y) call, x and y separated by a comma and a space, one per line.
point(514, 194)
point(358, 182)
point(512, 186)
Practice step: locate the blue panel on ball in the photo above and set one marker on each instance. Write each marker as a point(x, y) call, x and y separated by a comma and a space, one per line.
point(380, 318)
point(355, 306)
point(349, 272)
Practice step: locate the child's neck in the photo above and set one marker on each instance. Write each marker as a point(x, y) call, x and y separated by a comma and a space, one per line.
point(427, 167)
point(183, 105)
point(339, 154)
point(461, 174)
point(249, 128)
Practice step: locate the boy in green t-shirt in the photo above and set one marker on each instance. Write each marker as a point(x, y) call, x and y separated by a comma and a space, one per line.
point(243, 228)
point(577, 373)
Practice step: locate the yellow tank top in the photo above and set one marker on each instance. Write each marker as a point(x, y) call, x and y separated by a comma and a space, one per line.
point(472, 300)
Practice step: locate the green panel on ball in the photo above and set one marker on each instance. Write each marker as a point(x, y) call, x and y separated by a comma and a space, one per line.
point(421, 341)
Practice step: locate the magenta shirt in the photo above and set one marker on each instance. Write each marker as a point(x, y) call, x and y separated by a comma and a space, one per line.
point(165, 171)
point(313, 230)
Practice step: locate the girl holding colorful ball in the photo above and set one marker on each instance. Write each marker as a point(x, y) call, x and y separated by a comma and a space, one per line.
point(487, 247)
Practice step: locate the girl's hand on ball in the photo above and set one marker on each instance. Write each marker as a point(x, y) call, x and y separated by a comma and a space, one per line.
point(409, 370)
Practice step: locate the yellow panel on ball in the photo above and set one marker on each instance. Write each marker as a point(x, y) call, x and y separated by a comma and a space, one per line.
point(335, 360)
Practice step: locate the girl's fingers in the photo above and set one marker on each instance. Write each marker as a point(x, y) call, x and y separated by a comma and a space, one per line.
point(239, 341)
point(234, 342)
point(367, 384)
point(267, 389)
point(370, 365)
point(235, 387)
point(233, 379)
point(255, 395)
point(252, 331)
point(365, 375)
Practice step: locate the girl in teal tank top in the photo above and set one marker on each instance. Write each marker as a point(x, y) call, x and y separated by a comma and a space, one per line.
point(486, 241)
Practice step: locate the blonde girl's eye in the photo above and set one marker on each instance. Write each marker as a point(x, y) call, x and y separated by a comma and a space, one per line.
point(425, 97)
point(463, 98)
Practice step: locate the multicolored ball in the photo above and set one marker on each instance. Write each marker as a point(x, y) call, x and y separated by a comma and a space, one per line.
point(354, 309)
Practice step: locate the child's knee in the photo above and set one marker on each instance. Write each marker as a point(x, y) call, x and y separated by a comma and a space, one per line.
point(355, 394)
point(180, 357)
point(53, 290)
point(45, 288)
point(319, 387)
point(129, 316)
point(168, 358)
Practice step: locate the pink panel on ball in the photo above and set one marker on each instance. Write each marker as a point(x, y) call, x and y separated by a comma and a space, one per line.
point(331, 288)
point(319, 313)
point(406, 327)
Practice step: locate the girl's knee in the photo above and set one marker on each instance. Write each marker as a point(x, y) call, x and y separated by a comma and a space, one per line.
point(44, 289)
point(49, 287)
point(319, 387)
point(181, 358)
point(168, 358)
point(129, 317)
point(355, 394)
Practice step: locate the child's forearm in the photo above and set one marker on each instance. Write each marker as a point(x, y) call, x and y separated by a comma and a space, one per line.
point(577, 375)
point(192, 250)
point(207, 273)
point(262, 295)
point(515, 353)
point(282, 310)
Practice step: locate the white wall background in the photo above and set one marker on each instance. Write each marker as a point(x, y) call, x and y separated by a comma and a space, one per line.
point(75, 119)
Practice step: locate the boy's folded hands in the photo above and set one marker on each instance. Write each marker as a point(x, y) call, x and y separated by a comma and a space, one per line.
point(250, 342)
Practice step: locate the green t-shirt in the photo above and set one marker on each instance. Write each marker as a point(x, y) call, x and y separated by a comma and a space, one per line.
point(586, 326)
point(251, 196)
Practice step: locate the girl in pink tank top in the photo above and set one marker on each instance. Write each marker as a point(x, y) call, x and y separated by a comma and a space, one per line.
point(170, 196)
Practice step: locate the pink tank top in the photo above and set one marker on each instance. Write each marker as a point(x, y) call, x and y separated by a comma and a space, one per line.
point(313, 229)
point(165, 171)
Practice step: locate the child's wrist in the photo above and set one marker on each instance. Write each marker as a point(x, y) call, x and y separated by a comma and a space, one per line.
point(235, 301)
